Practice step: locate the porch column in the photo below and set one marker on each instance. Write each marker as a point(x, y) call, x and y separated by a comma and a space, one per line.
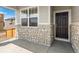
point(17, 21)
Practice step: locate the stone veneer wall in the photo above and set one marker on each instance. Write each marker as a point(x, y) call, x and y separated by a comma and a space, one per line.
point(40, 34)
point(75, 36)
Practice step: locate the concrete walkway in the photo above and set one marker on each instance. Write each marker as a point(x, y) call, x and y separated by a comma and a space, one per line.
point(57, 46)
point(12, 48)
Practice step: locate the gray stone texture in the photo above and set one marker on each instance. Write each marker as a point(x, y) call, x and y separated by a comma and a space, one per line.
point(75, 37)
point(40, 34)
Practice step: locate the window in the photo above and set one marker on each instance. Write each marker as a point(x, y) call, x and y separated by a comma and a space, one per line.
point(33, 10)
point(33, 17)
point(29, 15)
point(24, 17)
point(33, 21)
point(24, 21)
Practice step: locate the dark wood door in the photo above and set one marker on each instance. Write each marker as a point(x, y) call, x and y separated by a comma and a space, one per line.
point(61, 21)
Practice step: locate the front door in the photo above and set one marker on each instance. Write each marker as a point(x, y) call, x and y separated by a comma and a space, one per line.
point(61, 26)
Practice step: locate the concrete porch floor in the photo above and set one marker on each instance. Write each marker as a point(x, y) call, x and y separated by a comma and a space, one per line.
point(57, 46)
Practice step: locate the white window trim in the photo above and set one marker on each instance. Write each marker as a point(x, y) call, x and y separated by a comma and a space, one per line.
point(29, 17)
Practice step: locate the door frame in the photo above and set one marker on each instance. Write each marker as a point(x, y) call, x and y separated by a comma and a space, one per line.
point(69, 23)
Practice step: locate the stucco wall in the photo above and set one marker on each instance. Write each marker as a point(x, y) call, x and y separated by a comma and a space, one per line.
point(75, 28)
point(61, 8)
point(44, 15)
point(75, 14)
point(45, 32)
point(40, 34)
point(58, 8)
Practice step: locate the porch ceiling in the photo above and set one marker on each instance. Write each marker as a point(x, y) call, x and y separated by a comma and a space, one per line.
point(17, 7)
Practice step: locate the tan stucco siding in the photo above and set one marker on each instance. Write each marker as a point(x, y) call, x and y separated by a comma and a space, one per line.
point(56, 8)
point(44, 14)
point(75, 14)
point(18, 21)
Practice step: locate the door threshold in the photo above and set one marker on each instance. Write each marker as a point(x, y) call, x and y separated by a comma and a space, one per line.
point(62, 39)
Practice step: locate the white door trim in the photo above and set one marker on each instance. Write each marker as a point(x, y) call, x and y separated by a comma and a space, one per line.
point(69, 22)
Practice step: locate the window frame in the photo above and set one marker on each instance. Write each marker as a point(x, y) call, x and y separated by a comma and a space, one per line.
point(37, 15)
point(21, 17)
